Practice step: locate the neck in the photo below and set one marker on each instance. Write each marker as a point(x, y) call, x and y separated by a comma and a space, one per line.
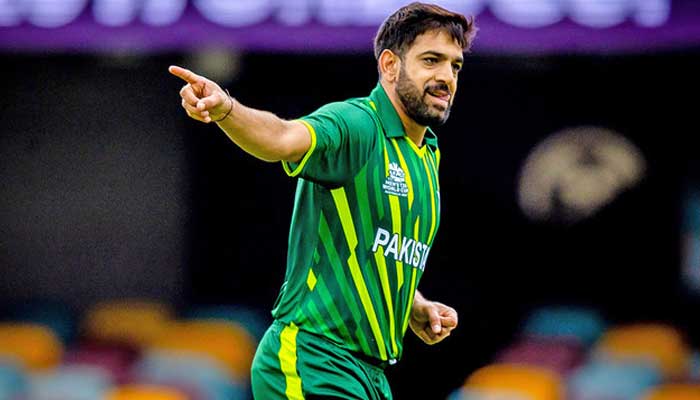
point(414, 131)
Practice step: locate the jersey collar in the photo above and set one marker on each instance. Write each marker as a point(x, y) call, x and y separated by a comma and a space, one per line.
point(389, 118)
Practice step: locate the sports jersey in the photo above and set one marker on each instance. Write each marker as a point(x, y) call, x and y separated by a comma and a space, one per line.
point(366, 211)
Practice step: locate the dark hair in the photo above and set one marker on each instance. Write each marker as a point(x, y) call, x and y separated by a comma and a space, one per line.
point(401, 29)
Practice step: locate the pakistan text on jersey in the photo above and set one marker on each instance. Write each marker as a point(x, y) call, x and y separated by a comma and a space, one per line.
point(402, 249)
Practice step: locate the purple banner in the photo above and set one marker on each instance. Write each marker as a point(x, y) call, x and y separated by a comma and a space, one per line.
point(340, 25)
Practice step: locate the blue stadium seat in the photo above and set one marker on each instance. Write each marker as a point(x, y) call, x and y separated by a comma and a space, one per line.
point(562, 322)
point(13, 381)
point(694, 369)
point(70, 383)
point(204, 374)
point(612, 380)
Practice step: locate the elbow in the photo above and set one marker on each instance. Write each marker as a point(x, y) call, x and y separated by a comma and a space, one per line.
point(288, 143)
point(290, 146)
point(291, 155)
point(277, 151)
point(275, 148)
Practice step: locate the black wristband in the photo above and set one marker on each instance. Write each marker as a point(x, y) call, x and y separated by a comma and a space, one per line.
point(229, 110)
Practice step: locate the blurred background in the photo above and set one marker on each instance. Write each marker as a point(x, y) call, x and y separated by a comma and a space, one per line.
point(138, 246)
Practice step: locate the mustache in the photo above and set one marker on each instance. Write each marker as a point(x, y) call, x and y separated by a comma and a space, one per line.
point(438, 86)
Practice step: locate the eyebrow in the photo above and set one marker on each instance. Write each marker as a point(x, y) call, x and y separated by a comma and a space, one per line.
point(440, 55)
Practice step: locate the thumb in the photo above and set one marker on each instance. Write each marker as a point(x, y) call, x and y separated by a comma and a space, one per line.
point(434, 318)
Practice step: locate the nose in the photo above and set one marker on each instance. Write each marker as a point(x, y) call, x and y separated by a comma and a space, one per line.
point(445, 74)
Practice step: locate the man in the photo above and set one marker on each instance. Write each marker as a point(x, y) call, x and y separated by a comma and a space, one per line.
point(366, 211)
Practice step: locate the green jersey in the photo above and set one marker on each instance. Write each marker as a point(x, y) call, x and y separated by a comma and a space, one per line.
point(366, 211)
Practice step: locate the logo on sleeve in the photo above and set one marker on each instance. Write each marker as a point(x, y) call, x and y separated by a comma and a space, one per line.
point(395, 183)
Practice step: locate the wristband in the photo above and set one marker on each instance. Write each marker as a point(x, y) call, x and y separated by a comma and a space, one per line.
point(229, 110)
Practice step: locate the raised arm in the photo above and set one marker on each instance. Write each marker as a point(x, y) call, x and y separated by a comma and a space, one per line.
point(259, 133)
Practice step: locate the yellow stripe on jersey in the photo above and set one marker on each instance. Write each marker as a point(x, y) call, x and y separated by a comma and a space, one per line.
point(409, 182)
point(386, 162)
point(303, 161)
point(288, 362)
point(434, 161)
point(412, 288)
point(409, 305)
point(341, 204)
point(396, 227)
point(432, 203)
point(384, 277)
point(418, 150)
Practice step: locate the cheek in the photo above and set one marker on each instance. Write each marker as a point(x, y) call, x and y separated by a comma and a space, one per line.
point(420, 77)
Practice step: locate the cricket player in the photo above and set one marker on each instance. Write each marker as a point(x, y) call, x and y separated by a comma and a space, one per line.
point(366, 211)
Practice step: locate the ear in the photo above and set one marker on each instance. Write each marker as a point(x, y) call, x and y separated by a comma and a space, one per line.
point(389, 65)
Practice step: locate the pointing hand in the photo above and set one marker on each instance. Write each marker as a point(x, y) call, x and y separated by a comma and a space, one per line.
point(202, 98)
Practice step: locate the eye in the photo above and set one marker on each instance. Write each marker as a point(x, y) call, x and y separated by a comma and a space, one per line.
point(456, 67)
point(430, 60)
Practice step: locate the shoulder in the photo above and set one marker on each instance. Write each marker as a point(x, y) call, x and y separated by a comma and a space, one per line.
point(353, 113)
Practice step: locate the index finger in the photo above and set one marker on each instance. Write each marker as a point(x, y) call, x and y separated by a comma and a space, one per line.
point(184, 74)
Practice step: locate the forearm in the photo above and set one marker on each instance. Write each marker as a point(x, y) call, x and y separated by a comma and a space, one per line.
point(260, 133)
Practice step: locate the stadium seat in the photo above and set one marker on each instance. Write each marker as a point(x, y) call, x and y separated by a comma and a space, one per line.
point(491, 394)
point(227, 342)
point(132, 322)
point(694, 372)
point(70, 383)
point(612, 381)
point(254, 321)
point(183, 388)
point(36, 347)
point(675, 391)
point(657, 343)
point(581, 324)
point(115, 359)
point(557, 355)
point(13, 381)
point(55, 316)
point(533, 383)
point(203, 374)
point(144, 392)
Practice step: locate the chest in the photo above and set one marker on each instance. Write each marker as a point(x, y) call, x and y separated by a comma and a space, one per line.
point(405, 185)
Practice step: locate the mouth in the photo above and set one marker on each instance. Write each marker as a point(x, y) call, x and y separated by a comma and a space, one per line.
point(441, 97)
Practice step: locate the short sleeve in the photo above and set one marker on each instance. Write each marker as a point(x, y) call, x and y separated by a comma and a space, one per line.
point(342, 138)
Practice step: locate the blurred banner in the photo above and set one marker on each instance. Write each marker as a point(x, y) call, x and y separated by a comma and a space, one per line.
point(340, 25)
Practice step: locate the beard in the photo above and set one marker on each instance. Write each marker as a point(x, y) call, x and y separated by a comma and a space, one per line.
point(415, 104)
